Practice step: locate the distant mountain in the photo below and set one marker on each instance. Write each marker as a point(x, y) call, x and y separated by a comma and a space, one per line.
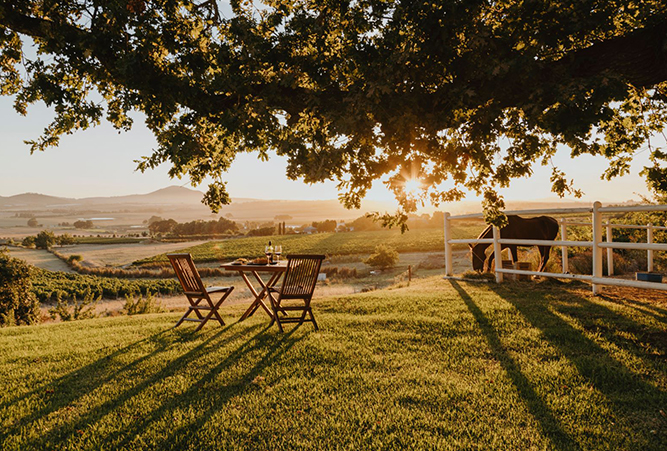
point(167, 196)
point(32, 200)
point(183, 204)
point(170, 195)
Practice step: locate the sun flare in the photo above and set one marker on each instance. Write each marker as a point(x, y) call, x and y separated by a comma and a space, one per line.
point(412, 186)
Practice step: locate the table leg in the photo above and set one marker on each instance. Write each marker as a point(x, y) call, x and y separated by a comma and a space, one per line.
point(259, 297)
point(267, 288)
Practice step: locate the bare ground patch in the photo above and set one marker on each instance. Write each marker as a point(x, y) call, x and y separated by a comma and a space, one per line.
point(40, 258)
point(122, 254)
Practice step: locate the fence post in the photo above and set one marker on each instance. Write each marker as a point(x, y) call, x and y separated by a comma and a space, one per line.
point(563, 249)
point(610, 251)
point(497, 254)
point(448, 247)
point(649, 253)
point(597, 250)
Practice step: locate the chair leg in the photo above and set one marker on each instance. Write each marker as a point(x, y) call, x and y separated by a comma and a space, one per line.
point(190, 309)
point(303, 316)
point(214, 310)
point(308, 309)
point(275, 306)
point(312, 318)
point(280, 325)
point(217, 306)
point(305, 311)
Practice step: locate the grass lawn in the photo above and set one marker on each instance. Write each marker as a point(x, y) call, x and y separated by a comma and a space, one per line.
point(345, 243)
point(437, 365)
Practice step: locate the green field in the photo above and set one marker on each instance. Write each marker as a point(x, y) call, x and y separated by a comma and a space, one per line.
point(438, 365)
point(347, 243)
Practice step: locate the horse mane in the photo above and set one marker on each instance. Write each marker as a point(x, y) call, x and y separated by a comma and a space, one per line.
point(486, 233)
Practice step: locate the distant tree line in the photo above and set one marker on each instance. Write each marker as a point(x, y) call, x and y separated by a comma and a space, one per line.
point(328, 225)
point(262, 231)
point(224, 226)
point(46, 239)
point(199, 227)
point(81, 224)
point(423, 221)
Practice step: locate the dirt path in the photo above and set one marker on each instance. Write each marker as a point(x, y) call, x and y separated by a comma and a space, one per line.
point(40, 258)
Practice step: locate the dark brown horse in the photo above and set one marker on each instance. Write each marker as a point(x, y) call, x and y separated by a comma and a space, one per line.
point(539, 228)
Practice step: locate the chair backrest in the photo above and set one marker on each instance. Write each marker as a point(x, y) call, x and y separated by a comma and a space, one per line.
point(301, 276)
point(187, 273)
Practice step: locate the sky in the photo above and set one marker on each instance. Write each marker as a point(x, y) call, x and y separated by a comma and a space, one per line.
point(100, 162)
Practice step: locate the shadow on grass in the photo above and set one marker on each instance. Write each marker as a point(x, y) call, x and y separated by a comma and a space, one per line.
point(85, 379)
point(647, 343)
point(636, 402)
point(185, 436)
point(97, 374)
point(646, 308)
point(66, 390)
point(549, 424)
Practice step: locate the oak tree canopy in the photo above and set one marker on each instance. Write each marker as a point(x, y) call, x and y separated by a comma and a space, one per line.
point(466, 94)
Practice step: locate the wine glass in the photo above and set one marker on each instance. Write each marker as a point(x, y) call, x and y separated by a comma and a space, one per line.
point(268, 250)
point(278, 250)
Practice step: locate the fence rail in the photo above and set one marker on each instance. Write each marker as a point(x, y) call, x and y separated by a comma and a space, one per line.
point(616, 226)
point(597, 244)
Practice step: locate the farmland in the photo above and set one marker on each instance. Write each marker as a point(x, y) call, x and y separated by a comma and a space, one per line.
point(48, 286)
point(347, 243)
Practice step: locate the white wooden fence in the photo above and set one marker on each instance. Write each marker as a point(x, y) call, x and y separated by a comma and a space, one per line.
point(597, 244)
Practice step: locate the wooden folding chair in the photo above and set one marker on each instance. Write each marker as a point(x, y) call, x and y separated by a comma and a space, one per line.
point(298, 283)
point(195, 291)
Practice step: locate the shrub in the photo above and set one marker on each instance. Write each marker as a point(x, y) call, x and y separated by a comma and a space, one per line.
point(74, 258)
point(65, 239)
point(77, 310)
point(341, 273)
point(141, 305)
point(45, 239)
point(18, 304)
point(28, 241)
point(384, 257)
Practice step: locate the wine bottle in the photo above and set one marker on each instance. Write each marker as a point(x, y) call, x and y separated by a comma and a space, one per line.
point(269, 253)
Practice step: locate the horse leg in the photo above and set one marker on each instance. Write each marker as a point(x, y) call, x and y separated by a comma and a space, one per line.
point(489, 260)
point(514, 250)
point(544, 257)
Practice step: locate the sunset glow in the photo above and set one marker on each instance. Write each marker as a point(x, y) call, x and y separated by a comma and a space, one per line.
point(412, 186)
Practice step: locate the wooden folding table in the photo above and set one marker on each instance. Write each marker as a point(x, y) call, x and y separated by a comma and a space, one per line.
point(275, 271)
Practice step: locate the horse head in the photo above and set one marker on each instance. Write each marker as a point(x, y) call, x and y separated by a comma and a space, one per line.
point(478, 257)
